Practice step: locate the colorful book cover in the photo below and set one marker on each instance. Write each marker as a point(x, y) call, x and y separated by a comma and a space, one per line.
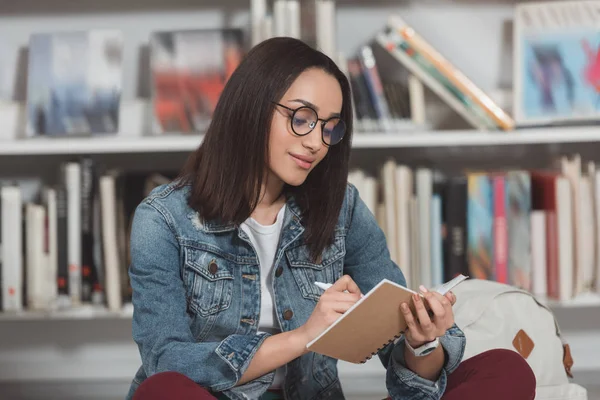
point(189, 71)
point(74, 83)
point(518, 187)
point(480, 223)
point(557, 62)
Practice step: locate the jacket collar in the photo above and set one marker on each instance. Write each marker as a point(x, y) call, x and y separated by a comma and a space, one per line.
point(292, 216)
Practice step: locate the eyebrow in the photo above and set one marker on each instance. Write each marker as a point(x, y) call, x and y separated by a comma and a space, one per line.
point(311, 105)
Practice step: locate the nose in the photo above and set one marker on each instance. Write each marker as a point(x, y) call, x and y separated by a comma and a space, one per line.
point(313, 141)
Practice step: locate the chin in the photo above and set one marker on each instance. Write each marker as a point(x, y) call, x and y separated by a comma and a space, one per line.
point(295, 179)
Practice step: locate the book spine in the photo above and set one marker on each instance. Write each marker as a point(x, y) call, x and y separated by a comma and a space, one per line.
point(500, 117)
point(480, 226)
point(12, 248)
point(109, 237)
point(552, 254)
point(2, 256)
point(500, 230)
point(62, 278)
point(73, 180)
point(538, 254)
point(437, 262)
point(456, 225)
point(52, 245)
point(424, 183)
point(87, 220)
point(375, 87)
point(326, 27)
point(518, 186)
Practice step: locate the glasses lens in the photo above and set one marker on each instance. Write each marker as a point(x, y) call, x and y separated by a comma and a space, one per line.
point(304, 121)
point(334, 131)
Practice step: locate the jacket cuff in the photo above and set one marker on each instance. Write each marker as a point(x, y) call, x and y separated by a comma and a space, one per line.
point(453, 343)
point(410, 382)
point(237, 351)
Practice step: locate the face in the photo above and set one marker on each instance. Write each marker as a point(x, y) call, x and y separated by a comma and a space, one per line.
point(293, 157)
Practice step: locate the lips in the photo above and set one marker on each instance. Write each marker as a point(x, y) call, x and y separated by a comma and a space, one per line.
point(304, 162)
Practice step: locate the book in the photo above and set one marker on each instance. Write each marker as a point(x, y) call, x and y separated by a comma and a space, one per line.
point(439, 75)
point(189, 71)
point(371, 323)
point(557, 62)
point(74, 83)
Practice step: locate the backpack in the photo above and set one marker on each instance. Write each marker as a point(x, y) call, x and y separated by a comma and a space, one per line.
point(494, 315)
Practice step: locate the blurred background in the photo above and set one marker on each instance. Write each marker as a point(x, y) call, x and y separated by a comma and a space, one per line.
point(477, 130)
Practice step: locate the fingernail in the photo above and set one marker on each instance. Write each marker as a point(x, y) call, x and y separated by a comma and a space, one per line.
point(416, 297)
point(404, 307)
point(423, 289)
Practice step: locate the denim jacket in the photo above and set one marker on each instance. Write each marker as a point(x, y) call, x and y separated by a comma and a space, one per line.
point(196, 297)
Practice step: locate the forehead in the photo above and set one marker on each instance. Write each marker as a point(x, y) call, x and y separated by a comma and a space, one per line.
point(317, 87)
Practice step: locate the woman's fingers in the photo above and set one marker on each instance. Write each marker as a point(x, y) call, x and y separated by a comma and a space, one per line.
point(340, 306)
point(342, 296)
point(436, 305)
point(425, 322)
point(411, 323)
point(345, 283)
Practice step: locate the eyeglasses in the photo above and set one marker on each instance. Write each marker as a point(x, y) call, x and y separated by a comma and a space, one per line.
point(304, 119)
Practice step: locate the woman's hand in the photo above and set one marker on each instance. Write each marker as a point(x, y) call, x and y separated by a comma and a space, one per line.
point(421, 327)
point(334, 302)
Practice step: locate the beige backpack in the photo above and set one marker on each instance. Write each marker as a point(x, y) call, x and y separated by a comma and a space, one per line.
point(493, 315)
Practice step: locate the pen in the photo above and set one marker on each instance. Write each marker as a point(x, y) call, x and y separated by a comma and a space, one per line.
point(325, 286)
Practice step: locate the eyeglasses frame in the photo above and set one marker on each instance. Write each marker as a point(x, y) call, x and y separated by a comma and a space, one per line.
point(323, 122)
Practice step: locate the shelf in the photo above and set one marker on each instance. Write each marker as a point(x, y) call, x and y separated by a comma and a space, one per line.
point(185, 143)
point(478, 138)
point(100, 145)
point(80, 313)
point(86, 313)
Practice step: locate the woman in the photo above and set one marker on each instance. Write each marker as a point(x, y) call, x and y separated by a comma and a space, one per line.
point(224, 260)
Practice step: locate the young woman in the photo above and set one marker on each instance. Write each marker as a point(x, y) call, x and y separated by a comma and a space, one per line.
point(225, 258)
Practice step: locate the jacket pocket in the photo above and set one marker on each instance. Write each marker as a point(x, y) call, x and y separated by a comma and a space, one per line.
point(209, 281)
point(327, 269)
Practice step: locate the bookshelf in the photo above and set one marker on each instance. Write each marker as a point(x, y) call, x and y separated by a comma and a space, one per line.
point(44, 346)
point(77, 314)
point(88, 313)
point(174, 143)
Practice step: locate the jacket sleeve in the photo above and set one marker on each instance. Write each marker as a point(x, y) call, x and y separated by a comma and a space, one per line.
point(368, 261)
point(161, 325)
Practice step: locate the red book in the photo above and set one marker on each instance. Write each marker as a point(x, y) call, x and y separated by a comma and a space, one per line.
point(500, 229)
point(543, 197)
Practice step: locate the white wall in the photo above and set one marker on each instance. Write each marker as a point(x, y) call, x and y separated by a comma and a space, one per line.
point(470, 35)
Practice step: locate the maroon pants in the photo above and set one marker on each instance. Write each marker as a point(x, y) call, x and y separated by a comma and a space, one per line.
point(493, 375)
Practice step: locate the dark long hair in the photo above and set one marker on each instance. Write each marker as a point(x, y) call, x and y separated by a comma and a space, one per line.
point(227, 170)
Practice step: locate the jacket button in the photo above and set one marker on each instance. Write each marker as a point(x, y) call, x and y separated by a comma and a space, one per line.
point(288, 314)
point(278, 272)
point(213, 267)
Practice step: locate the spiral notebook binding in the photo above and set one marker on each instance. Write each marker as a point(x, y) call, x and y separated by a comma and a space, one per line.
point(381, 348)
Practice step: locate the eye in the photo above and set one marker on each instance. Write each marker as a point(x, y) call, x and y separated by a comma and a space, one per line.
point(299, 121)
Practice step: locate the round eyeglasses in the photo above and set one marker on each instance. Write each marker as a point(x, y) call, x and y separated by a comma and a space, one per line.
point(304, 119)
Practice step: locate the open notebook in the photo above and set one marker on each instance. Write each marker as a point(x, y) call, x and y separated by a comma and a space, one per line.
point(371, 324)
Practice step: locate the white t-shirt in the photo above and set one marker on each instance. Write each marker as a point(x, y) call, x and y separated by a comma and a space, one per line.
point(265, 239)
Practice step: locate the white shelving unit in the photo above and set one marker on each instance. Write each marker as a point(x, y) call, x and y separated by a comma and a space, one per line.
point(174, 143)
point(79, 314)
point(38, 346)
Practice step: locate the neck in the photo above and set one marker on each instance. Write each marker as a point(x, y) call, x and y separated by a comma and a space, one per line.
point(270, 192)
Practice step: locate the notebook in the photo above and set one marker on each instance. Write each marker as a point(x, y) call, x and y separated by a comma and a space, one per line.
point(371, 323)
